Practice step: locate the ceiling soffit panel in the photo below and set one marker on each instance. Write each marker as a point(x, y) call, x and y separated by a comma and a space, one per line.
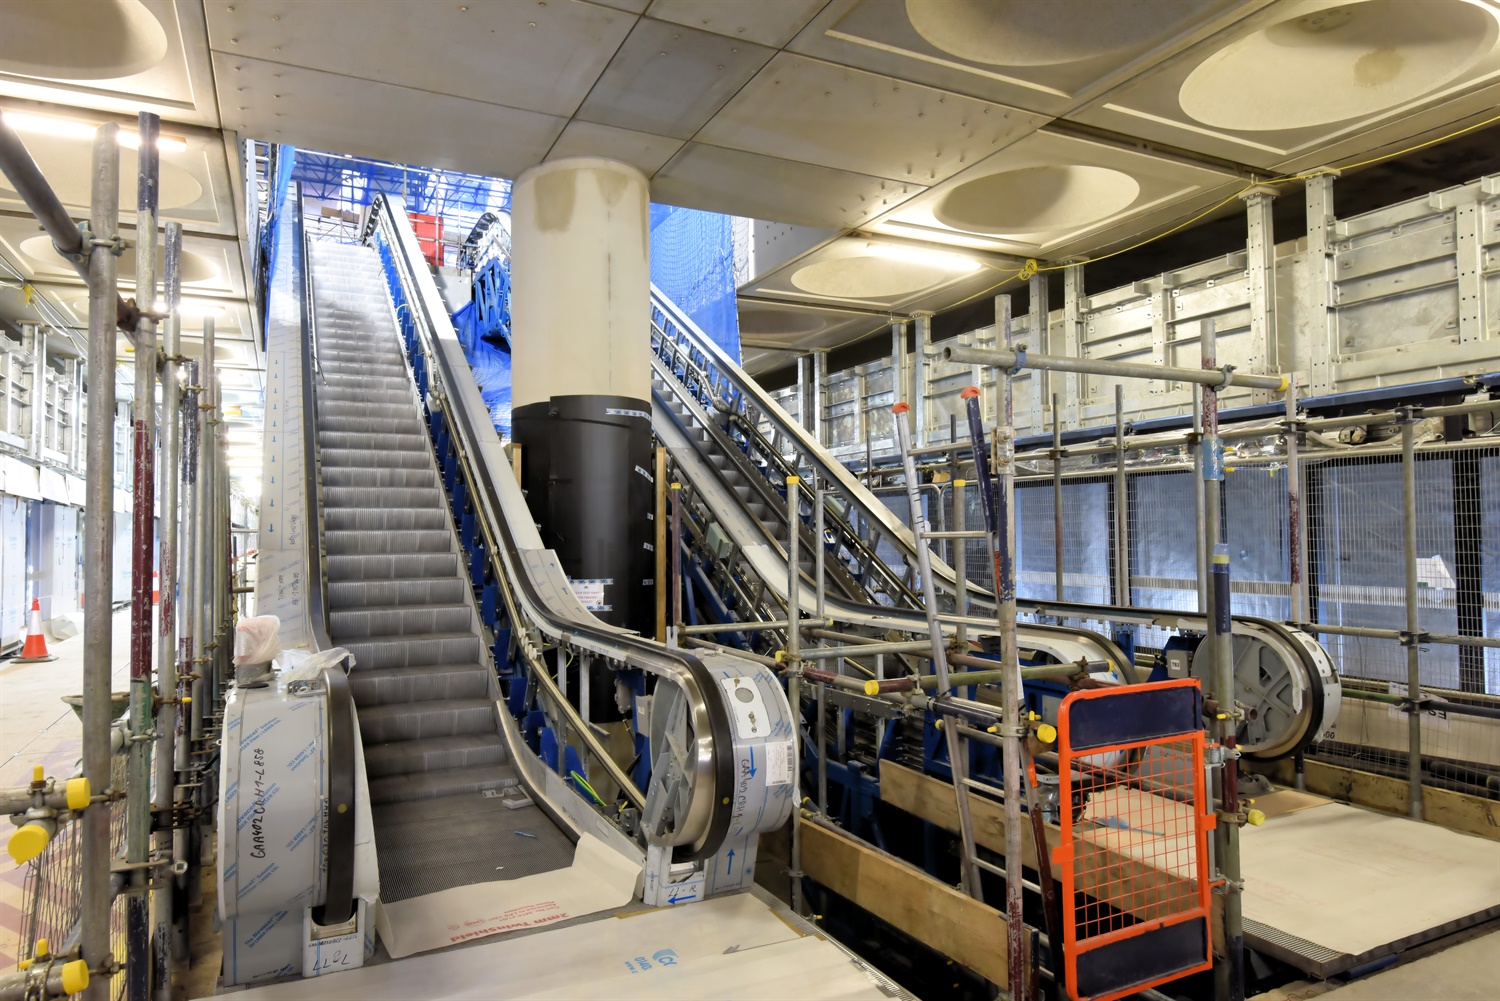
point(210, 264)
point(647, 153)
point(875, 274)
point(816, 112)
point(1045, 191)
point(194, 187)
point(122, 56)
point(669, 80)
point(379, 120)
point(772, 24)
point(537, 56)
point(1044, 57)
point(1300, 77)
point(763, 187)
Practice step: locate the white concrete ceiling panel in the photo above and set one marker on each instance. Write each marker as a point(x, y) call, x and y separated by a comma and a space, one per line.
point(646, 152)
point(122, 56)
point(536, 55)
point(194, 190)
point(1046, 191)
point(669, 79)
point(771, 333)
point(1303, 76)
point(833, 116)
point(327, 111)
point(1042, 56)
point(769, 23)
point(877, 273)
point(748, 184)
point(210, 264)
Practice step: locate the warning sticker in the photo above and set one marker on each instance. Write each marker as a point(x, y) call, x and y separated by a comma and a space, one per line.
point(590, 592)
point(616, 412)
point(779, 763)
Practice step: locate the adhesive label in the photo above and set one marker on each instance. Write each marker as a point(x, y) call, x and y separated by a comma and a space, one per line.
point(780, 763)
point(616, 412)
point(590, 592)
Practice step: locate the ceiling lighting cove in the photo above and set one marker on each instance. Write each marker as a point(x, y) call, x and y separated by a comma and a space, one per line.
point(920, 255)
point(71, 128)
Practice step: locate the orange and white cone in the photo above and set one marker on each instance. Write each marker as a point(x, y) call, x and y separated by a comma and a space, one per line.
point(155, 587)
point(35, 650)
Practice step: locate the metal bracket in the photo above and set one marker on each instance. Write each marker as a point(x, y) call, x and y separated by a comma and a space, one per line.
point(1228, 372)
point(1014, 370)
point(1407, 414)
point(1407, 638)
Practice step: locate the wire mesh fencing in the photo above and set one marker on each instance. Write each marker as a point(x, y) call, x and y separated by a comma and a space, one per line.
point(52, 892)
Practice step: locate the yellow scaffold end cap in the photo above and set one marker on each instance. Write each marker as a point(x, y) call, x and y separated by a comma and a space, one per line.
point(1047, 733)
point(42, 950)
point(38, 774)
point(1255, 817)
point(792, 480)
point(78, 792)
point(75, 976)
point(872, 687)
point(27, 842)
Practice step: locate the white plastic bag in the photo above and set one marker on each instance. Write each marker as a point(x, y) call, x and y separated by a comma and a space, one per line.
point(255, 640)
point(309, 667)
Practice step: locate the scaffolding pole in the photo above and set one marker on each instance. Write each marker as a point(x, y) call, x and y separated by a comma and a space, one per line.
point(143, 535)
point(99, 543)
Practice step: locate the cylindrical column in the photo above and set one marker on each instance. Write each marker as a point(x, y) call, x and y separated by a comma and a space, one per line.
point(166, 650)
point(99, 543)
point(1413, 627)
point(581, 372)
point(143, 536)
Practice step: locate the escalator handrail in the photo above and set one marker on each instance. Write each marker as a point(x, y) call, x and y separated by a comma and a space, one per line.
point(686, 670)
point(312, 528)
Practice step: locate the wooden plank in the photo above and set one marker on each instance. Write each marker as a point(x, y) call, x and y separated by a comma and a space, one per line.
point(932, 799)
point(1454, 810)
point(958, 926)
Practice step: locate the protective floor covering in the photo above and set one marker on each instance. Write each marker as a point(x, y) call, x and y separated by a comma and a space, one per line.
point(1353, 881)
point(726, 947)
point(469, 838)
point(598, 879)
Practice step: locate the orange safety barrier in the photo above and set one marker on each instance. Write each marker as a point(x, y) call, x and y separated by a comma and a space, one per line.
point(1133, 860)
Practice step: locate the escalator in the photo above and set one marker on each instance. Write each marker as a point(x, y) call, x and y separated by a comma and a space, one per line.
point(398, 600)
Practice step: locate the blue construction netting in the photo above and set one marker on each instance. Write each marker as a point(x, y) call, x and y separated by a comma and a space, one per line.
point(692, 262)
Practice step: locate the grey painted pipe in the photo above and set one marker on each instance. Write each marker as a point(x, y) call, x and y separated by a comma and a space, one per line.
point(1217, 378)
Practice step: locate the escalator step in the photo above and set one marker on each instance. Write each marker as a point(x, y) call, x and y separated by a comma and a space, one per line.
point(402, 757)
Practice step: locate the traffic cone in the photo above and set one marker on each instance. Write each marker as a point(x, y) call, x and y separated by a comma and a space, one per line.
point(155, 587)
point(35, 650)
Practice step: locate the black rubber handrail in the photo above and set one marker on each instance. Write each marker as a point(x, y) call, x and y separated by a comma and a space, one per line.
point(635, 651)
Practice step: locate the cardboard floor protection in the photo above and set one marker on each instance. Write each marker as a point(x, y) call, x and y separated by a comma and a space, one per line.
point(599, 879)
point(725, 947)
point(1353, 880)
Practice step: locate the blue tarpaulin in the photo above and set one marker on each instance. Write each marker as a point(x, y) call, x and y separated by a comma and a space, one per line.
point(490, 363)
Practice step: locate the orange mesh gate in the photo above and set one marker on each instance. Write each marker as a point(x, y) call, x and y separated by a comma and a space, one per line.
point(1135, 816)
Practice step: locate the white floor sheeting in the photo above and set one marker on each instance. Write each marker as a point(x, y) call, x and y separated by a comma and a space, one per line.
point(736, 946)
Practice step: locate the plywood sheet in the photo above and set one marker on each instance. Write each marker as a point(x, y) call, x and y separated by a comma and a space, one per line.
point(1354, 881)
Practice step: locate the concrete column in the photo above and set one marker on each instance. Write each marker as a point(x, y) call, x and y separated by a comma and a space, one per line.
point(581, 377)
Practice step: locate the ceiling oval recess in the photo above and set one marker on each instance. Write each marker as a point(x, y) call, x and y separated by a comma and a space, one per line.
point(61, 41)
point(1028, 33)
point(197, 268)
point(1036, 199)
point(867, 277)
point(1340, 62)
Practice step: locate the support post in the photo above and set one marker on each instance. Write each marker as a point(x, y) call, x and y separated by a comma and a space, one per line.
point(1200, 508)
point(1057, 501)
point(1413, 618)
point(919, 368)
point(794, 668)
point(659, 522)
point(1260, 257)
point(960, 561)
point(190, 721)
point(1039, 338)
point(676, 546)
point(1229, 973)
point(1321, 339)
point(99, 539)
point(166, 651)
point(1296, 528)
point(1122, 500)
point(143, 524)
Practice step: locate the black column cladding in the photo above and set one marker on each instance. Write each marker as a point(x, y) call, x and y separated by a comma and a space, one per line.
point(586, 471)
